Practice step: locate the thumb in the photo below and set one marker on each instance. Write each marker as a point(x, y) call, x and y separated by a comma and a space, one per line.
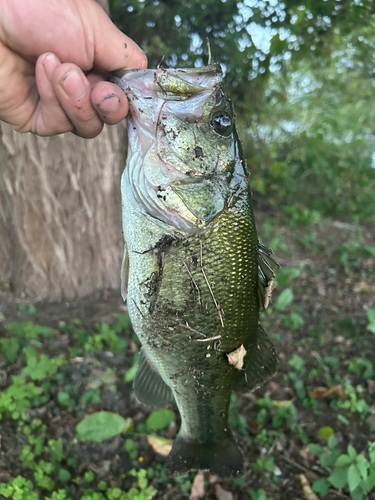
point(113, 49)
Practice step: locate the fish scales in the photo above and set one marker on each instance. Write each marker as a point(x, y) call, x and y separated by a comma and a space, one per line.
point(192, 261)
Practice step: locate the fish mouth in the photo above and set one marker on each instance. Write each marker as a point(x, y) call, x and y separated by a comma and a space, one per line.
point(169, 84)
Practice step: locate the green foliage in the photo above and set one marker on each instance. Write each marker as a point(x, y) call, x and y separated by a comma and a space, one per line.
point(355, 403)
point(106, 338)
point(266, 463)
point(19, 488)
point(352, 471)
point(284, 299)
point(26, 309)
point(28, 330)
point(39, 369)
point(308, 68)
point(19, 396)
point(160, 419)
point(102, 425)
point(363, 367)
point(10, 348)
point(130, 374)
point(371, 320)
point(258, 495)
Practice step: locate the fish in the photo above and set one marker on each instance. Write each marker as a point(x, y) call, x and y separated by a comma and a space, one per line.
point(194, 273)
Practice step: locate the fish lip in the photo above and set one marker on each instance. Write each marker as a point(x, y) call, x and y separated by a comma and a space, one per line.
point(123, 77)
point(212, 68)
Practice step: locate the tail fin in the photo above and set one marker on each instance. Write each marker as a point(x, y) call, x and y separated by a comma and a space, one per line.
point(223, 458)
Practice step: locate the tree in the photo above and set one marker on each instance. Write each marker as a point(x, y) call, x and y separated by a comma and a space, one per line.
point(60, 214)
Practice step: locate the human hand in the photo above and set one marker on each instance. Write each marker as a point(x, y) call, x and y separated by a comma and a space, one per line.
point(54, 58)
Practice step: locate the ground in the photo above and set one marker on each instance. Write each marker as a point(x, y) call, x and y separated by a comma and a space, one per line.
point(322, 322)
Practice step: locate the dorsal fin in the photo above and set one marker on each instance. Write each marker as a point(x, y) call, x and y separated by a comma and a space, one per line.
point(266, 272)
point(125, 273)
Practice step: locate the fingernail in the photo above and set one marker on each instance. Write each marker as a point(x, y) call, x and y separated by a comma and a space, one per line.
point(109, 104)
point(73, 85)
point(50, 63)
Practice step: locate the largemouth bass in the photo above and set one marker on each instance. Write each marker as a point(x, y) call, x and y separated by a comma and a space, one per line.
point(194, 274)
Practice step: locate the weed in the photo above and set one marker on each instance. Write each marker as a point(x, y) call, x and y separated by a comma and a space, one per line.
point(19, 396)
point(354, 402)
point(352, 471)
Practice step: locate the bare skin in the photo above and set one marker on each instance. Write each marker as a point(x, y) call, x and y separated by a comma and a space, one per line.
point(55, 56)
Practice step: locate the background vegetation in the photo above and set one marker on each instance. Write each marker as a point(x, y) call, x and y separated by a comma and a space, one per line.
point(302, 75)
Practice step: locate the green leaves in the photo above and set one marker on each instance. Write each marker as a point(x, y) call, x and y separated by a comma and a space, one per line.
point(338, 478)
point(160, 419)
point(284, 299)
point(102, 425)
point(351, 470)
point(371, 320)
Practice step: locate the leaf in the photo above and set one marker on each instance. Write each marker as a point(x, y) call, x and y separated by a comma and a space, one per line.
point(354, 477)
point(64, 475)
point(321, 487)
point(362, 465)
point(370, 481)
point(332, 442)
point(10, 348)
point(197, 488)
point(315, 448)
point(306, 488)
point(102, 425)
point(130, 374)
point(284, 299)
point(371, 315)
point(343, 461)
point(357, 494)
point(325, 432)
point(338, 478)
point(160, 419)
point(160, 445)
point(352, 452)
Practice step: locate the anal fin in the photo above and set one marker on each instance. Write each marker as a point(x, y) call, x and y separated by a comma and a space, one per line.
point(150, 389)
point(259, 365)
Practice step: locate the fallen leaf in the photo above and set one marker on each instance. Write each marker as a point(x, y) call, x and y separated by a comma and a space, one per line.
point(362, 286)
point(323, 392)
point(306, 488)
point(284, 403)
point(306, 453)
point(222, 494)
point(197, 488)
point(160, 445)
point(267, 298)
point(317, 392)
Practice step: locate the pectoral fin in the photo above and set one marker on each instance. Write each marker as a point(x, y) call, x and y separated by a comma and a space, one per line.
point(150, 389)
point(266, 272)
point(260, 364)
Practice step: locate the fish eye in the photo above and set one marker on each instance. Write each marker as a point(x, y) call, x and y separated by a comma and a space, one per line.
point(221, 122)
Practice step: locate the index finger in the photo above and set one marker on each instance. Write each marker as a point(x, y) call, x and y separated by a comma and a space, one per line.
point(113, 49)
